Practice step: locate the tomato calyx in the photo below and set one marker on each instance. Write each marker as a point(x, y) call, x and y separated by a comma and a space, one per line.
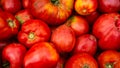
point(85, 66)
point(31, 35)
point(55, 2)
point(10, 23)
point(6, 65)
point(109, 65)
point(19, 19)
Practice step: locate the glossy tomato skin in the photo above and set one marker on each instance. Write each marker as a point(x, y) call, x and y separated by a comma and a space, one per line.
point(41, 55)
point(64, 38)
point(33, 31)
point(86, 43)
point(78, 24)
point(52, 12)
point(9, 26)
point(82, 60)
point(11, 6)
point(108, 6)
point(23, 16)
point(85, 7)
point(25, 3)
point(117, 65)
point(106, 29)
point(108, 58)
point(13, 54)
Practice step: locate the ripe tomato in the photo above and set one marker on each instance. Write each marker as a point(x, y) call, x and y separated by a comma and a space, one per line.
point(108, 59)
point(82, 60)
point(9, 25)
point(33, 31)
point(11, 6)
point(41, 55)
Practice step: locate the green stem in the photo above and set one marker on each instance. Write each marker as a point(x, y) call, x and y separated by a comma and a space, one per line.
point(6, 65)
point(31, 35)
point(109, 65)
point(85, 66)
point(55, 2)
point(11, 24)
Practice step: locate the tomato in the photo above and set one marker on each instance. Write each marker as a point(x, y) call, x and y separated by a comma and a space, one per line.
point(33, 31)
point(78, 24)
point(13, 55)
point(108, 6)
point(85, 7)
point(86, 43)
point(11, 6)
point(107, 30)
point(82, 60)
point(108, 59)
point(41, 55)
point(64, 38)
point(53, 12)
point(9, 26)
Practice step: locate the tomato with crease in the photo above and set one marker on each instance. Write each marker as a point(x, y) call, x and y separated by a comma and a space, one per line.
point(9, 25)
point(13, 55)
point(33, 31)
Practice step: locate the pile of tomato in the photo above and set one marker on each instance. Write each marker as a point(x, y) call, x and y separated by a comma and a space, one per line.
point(59, 33)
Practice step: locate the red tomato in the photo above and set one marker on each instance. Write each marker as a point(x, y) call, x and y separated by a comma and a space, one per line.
point(13, 55)
point(33, 31)
point(85, 7)
point(108, 6)
point(82, 60)
point(41, 55)
point(108, 59)
point(64, 38)
point(11, 6)
point(9, 26)
point(53, 12)
point(107, 30)
point(86, 43)
point(78, 24)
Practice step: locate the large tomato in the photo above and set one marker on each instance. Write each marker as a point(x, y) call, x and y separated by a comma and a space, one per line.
point(53, 12)
point(64, 38)
point(108, 6)
point(82, 60)
point(13, 55)
point(33, 31)
point(107, 30)
point(11, 6)
point(9, 26)
point(41, 55)
point(86, 43)
point(109, 59)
